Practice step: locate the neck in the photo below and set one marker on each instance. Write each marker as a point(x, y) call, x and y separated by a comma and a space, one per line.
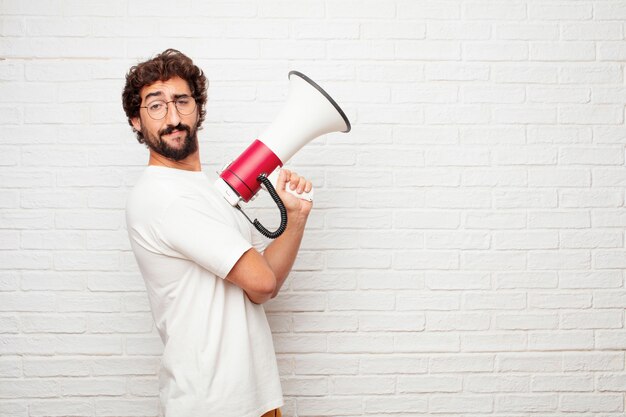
point(190, 163)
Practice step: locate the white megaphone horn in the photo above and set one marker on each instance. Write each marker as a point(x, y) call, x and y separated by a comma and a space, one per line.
point(308, 113)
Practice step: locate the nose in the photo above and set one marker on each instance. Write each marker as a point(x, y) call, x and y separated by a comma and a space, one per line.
point(172, 117)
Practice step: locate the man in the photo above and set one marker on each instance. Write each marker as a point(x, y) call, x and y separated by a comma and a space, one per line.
point(204, 266)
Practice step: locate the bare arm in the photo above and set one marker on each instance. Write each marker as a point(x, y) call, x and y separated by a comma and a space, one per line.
point(262, 276)
point(281, 253)
point(253, 274)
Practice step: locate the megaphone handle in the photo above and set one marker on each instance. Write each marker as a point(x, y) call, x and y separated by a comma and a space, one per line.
point(281, 207)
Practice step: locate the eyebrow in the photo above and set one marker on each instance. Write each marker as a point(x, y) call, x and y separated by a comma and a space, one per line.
point(153, 94)
point(160, 93)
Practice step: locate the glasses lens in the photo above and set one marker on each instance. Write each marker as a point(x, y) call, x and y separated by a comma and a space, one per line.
point(185, 105)
point(157, 109)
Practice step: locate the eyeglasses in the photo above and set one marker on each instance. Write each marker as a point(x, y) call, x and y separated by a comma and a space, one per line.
point(158, 109)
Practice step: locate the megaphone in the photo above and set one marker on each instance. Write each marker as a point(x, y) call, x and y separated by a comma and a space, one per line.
point(308, 113)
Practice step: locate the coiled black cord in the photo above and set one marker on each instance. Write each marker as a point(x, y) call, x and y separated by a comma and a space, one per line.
point(281, 207)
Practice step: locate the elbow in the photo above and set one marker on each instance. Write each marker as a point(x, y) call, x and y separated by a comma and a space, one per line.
point(265, 289)
point(268, 288)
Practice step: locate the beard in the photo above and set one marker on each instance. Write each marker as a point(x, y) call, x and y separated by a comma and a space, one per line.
point(159, 145)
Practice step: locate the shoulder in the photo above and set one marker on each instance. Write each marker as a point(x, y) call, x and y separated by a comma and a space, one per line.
point(152, 194)
point(159, 190)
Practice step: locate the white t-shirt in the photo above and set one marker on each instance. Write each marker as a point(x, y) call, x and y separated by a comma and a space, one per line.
point(218, 358)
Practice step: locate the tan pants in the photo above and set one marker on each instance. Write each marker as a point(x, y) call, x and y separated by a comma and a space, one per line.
point(273, 413)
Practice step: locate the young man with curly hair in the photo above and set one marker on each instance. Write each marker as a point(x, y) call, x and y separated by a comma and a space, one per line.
point(207, 272)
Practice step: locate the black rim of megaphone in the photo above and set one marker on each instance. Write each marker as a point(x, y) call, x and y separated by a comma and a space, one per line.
point(328, 97)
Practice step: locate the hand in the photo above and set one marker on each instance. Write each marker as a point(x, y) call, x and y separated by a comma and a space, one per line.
point(293, 204)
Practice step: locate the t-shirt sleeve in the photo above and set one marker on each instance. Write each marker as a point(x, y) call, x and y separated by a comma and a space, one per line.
point(259, 241)
point(190, 228)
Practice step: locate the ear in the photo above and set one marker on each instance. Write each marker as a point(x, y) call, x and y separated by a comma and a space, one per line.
point(136, 123)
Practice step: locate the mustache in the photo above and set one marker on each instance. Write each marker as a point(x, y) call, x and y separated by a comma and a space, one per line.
point(179, 127)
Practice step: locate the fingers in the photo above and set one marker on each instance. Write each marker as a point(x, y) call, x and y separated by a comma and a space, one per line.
point(293, 181)
point(283, 178)
point(299, 184)
point(296, 182)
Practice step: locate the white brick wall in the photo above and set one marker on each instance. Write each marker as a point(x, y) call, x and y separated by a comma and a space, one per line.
point(466, 252)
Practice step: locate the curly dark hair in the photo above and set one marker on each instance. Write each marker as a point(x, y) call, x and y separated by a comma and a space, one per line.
point(169, 63)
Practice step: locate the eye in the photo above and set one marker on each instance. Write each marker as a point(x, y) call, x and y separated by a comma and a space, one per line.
point(183, 101)
point(156, 106)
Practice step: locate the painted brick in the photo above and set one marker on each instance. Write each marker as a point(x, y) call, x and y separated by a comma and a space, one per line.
point(462, 363)
point(529, 362)
point(527, 403)
point(497, 384)
point(386, 364)
point(460, 404)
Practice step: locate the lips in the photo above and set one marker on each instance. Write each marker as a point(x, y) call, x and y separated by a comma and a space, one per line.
point(175, 130)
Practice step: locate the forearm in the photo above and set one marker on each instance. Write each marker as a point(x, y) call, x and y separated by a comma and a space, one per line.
point(281, 253)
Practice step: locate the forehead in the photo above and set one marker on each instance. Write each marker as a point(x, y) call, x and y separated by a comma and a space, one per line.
point(168, 88)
